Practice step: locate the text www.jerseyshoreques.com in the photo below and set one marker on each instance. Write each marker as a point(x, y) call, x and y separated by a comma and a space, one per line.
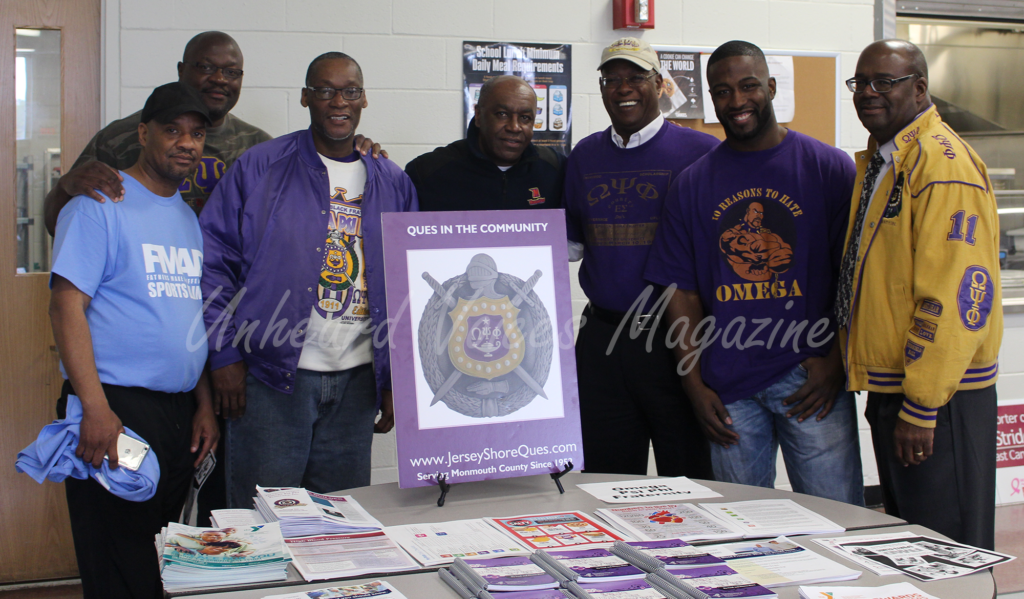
point(547, 457)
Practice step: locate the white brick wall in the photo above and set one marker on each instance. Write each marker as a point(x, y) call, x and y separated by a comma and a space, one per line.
point(411, 55)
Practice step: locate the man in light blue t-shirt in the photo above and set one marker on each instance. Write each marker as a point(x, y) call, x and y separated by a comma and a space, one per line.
point(126, 310)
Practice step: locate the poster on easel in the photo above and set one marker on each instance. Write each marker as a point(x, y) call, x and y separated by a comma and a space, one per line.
point(546, 67)
point(481, 342)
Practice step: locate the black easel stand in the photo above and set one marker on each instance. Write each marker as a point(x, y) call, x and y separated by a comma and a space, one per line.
point(558, 475)
point(445, 487)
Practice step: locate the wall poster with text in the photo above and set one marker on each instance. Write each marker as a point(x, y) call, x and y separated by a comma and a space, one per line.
point(1010, 452)
point(546, 67)
point(482, 362)
point(680, 96)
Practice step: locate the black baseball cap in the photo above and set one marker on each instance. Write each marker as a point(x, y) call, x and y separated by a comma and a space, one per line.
point(172, 100)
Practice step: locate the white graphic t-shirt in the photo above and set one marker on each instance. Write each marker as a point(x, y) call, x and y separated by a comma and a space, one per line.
point(337, 337)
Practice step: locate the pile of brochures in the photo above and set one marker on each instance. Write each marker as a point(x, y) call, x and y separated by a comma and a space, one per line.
point(197, 558)
point(303, 513)
point(327, 556)
point(626, 569)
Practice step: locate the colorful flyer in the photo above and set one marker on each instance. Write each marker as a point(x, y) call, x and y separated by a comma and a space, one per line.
point(481, 340)
point(548, 531)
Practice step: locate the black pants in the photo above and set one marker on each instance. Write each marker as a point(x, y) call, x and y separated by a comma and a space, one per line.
point(954, 491)
point(114, 538)
point(631, 399)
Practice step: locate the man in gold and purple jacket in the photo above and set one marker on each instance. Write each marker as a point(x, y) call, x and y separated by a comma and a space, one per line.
point(919, 301)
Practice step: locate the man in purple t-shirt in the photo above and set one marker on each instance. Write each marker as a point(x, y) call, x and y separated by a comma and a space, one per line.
point(749, 251)
point(615, 184)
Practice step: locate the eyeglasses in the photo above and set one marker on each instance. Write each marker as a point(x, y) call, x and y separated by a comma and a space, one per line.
point(634, 82)
point(208, 69)
point(328, 93)
point(881, 86)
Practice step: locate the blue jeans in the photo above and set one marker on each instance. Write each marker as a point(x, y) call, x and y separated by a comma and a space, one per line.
point(319, 437)
point(822, 458)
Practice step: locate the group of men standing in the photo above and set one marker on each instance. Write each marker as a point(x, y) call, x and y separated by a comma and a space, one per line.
point(735, 300)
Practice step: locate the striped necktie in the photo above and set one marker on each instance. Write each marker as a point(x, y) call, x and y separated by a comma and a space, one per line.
point(844, 299)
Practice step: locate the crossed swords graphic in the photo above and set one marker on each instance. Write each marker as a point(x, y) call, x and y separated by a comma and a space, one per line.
point(443, 296)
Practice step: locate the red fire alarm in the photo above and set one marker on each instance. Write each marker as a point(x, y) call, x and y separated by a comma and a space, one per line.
point(633, 14)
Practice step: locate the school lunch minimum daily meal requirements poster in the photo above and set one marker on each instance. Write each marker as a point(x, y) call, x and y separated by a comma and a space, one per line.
point(482, 361)
point(546, 67)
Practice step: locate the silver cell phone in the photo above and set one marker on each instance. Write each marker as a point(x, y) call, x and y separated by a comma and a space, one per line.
point(130, 452)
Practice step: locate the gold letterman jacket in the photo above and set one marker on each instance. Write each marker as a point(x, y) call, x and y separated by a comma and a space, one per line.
point(927, 316)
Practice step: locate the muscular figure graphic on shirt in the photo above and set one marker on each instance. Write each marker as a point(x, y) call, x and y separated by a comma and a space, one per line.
point(753, 251)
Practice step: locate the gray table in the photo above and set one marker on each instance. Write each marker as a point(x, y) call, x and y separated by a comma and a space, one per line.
point(538, 494)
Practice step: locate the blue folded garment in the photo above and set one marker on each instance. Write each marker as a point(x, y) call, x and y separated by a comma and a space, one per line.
point(52, 456)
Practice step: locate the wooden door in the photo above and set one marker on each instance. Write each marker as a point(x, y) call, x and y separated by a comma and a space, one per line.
point(36, 540)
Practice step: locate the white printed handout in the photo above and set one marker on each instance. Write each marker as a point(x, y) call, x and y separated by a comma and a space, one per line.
point(771, 518)
point(377, 589)
point(303, 513)
point(926, 558)
point(668, 521)
point(336, 556)
point(833, 545)
point(780, 562)
point(441, 542)
point(647, 490)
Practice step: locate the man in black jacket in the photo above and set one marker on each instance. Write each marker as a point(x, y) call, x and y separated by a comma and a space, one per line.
point(496, 167)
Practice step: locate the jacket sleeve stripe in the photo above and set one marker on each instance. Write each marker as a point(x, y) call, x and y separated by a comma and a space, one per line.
point(991, 368)
point(916, 415)
point(918, 408)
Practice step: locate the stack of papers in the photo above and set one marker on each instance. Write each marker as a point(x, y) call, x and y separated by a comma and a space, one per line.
point(324, 557)
point(668, 521)
point(514, 573)
point(714, 582)
point(903, 590)
point(923, 558)
point(625, 589)
point(586, 565)
point(771, 518)
point(832, 544)
point(563, 529)
point(303, 513)
point(196, 558)
point(670, 555)
point(377, 589)
point(439, 543)
point(469, 589)
point(780, 562)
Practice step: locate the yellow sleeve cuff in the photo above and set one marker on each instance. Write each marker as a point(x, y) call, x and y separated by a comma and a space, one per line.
point(917, 414)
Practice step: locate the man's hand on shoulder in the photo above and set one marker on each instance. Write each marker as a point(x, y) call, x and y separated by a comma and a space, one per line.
point(229, 390)
point(912, 443)
point(387, 413)
point(364, 144)
point(98, 434)
point(92, 178)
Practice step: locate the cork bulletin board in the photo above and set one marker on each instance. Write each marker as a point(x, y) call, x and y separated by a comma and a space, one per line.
point(816, 85)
